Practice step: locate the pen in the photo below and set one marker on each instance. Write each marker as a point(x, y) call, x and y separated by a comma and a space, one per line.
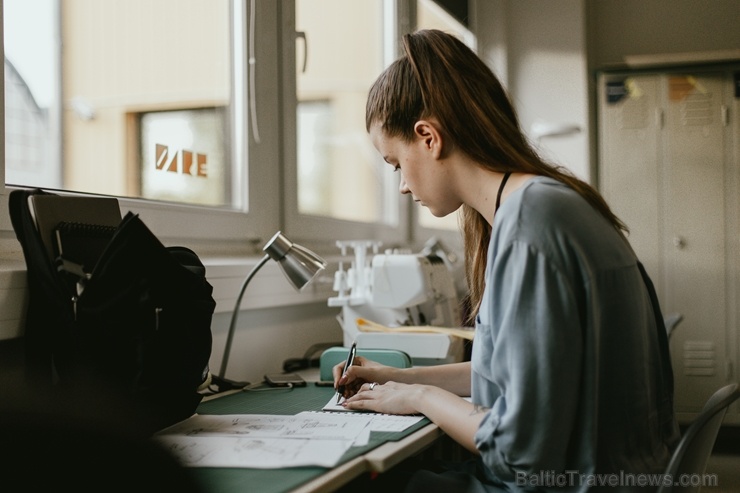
point(347, 364)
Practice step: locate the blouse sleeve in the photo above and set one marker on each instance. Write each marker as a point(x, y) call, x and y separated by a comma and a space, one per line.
point(529, 347)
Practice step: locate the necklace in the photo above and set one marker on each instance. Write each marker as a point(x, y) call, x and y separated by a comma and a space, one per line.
point(500, 190)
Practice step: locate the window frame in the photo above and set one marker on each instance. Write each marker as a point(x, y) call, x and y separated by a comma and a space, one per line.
point(311, 228)
point(399, 18)
point(258, 217)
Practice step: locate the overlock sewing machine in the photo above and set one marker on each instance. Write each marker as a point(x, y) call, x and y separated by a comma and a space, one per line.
point(388, 299)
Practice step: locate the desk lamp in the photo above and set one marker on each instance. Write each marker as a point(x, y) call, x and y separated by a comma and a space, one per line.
point(300, 265)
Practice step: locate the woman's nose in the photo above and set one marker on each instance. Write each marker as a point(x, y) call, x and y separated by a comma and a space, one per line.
point(402, 187)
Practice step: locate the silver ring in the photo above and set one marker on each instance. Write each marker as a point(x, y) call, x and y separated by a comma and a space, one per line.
point(372, 385)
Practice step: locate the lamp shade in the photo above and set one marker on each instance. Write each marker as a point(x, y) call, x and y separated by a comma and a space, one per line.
point(299, 264)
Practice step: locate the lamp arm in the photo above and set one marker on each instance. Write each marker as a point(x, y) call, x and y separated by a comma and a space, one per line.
point(235, 315)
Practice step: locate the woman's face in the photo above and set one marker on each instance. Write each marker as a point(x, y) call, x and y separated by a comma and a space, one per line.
point(423, 175)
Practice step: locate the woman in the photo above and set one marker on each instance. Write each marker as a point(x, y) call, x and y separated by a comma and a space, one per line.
point(570, 377)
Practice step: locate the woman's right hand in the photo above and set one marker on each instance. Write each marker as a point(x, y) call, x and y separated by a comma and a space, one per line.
point(362, 371)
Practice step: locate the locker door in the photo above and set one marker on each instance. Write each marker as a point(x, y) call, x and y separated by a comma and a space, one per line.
point(733, 232)
point(693, 246)
point(629, 158)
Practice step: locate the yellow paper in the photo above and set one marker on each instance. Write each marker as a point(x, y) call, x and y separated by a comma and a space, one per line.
point(368, 326)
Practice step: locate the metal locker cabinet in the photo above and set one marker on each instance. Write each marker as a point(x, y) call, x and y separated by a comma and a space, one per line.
point(667, 169)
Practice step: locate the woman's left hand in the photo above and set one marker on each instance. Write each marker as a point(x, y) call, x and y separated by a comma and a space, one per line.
point(388, 398)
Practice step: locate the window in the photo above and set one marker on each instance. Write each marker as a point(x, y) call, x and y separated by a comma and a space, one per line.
point(173, 106)
point(144, 100)
point(118, 61)
point(31, 94)
point(343, 189)
point(339, 176)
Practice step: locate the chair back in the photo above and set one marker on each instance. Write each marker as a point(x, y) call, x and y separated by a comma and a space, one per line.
point(696, 444)
point(388, 357)
point(671, 321)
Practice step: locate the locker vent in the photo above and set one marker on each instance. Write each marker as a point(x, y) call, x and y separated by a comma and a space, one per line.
point(699, 358)
point(633, 114)
point(697, 110)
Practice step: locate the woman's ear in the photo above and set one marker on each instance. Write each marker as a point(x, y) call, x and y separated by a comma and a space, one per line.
point(429, 135)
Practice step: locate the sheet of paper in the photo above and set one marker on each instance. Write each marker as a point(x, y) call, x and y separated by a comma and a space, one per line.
point(304, 425)
point(265, 441)
point(334, 406)
point(258, 453)
point(379, 422)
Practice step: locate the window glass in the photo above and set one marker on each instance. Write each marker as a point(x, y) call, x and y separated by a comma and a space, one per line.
point(339, 53)
point(31, 100)
point(127, 98)
point(170, 169)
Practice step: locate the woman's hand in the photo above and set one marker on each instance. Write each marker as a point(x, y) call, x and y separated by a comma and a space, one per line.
point(387, 398)
point(457, 417)
point(362, 371)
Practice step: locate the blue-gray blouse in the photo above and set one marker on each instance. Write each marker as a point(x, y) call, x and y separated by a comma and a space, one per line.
point(566, 351)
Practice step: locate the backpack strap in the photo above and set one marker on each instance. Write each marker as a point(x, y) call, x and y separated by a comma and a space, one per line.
point(665, 379)
point(43, 287)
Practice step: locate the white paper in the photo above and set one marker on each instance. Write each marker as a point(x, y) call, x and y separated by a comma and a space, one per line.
point(379, 422)
point(303, 425)
point(258, 453)
point(265, 441)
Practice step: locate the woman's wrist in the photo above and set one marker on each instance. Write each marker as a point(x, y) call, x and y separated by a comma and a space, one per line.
point(393, 374)
point(419, 397)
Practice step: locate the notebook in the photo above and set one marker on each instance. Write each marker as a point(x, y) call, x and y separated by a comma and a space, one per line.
point(81, 243)
point(380, 421)
point(49, 211)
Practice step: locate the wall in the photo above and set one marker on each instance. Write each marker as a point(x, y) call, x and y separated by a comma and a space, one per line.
point(636, 27)
point(276, 322)
point(548, 75)
point(267, 337)
point(537, 49)
point(547, 54)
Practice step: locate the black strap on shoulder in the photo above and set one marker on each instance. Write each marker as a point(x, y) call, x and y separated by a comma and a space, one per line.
point(501, 190)
point(665, 382)
point(660, 324)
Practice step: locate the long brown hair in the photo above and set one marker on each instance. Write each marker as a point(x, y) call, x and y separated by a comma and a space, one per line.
point(438, 75)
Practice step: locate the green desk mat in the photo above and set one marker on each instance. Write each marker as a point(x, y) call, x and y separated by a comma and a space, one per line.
point(277, 401)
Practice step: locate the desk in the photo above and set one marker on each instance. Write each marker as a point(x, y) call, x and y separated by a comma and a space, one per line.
point(384, 451)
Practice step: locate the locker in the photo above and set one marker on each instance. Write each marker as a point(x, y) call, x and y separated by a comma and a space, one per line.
point(668, 166)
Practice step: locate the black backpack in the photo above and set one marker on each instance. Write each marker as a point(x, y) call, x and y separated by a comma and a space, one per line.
point(139, 332)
